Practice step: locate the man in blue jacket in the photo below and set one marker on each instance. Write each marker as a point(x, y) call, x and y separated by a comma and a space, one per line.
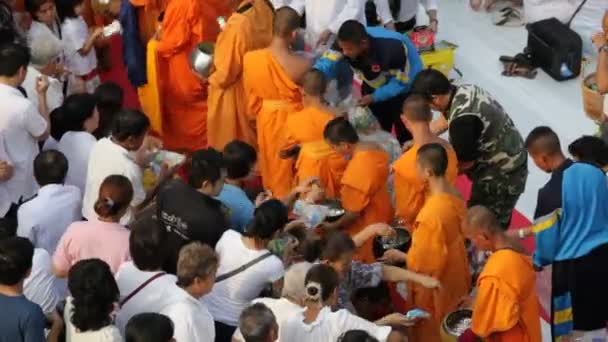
point(385, 61)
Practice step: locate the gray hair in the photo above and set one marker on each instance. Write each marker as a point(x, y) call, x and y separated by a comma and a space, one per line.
point(257, 322)
point(293, 281)
point(44, 47)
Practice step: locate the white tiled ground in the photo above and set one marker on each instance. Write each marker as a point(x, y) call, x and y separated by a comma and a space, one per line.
point(530, 103)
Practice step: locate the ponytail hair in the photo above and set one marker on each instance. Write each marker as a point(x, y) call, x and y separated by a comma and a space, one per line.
point(115, 195)
point(321, 282)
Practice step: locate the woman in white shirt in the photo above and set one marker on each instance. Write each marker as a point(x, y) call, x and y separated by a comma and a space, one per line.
point(237, 285)
point(89, 308)
point(78, 141)
point(317, 322)
point(46, 52)
point(79, 48)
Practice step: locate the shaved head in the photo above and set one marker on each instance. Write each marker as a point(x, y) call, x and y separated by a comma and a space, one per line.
point(286, 21)
point(543, 140)
point(314, 83)
point(416, 109)
point(480, 218)
point(433, 157)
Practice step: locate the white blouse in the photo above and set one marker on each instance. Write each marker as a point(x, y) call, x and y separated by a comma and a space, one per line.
point(75, 34)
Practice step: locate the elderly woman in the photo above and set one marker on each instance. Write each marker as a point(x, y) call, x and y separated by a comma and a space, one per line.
point(46, 51)
point(369, 130)
point(292, 296)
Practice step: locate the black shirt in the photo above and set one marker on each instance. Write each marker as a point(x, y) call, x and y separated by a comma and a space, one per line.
point(550, 195)
point(465, 134)
point(188, 215)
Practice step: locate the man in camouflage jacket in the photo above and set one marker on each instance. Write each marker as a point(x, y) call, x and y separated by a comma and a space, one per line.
point(490, 149)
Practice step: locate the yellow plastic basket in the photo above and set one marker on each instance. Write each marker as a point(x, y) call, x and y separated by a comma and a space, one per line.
point(442, 58)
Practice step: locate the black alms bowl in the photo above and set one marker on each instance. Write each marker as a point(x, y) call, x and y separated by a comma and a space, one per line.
point(401, 241)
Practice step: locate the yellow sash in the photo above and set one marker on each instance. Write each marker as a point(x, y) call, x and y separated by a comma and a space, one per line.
point(149, 94)
point(316, 149)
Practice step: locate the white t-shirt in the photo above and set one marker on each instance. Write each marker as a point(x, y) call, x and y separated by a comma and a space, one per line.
point(108, 158)
point(409, 8)
point(50, 144)
point(229, 297)
point(42, 287)
point(75, 34)
point(77, 146)
point(151, 298)
point(44, 218)
point(20, 125)
point(54, 94)
point(328, 326)
point(191, 319)
point(108, 333)
point(283, 310)
point(5, 202)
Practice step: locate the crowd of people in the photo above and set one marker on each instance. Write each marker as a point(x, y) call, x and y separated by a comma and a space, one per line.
point(274, 226)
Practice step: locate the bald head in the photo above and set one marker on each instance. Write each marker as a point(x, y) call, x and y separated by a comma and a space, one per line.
point(434, 158)
point(416, 109)
point(480, 218)
point(543, 140)
point(286, 21)
point(314, 83)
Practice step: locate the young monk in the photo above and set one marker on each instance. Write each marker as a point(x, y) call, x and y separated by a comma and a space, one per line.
point(364, 193)
point(410, 190)
point(506, 307)
point(248, 28)
point(271, 79)
point(182, 92)
point(305, 132)
point(438, 248)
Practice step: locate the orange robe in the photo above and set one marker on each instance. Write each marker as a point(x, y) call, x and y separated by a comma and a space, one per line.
point(364, 191)
point(182, 93)
point(316, 157)
point(272, 95)
point(248, 29)
point(410, 191)
point(438, 250)
point(506, 308)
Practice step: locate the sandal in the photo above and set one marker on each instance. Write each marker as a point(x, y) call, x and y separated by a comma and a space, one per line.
point(508, 16)
point(514, 69)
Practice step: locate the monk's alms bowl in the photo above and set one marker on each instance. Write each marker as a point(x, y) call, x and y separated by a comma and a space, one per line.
point(455, 324)
point(335, 210)
point(201, 59)
point(402, 241)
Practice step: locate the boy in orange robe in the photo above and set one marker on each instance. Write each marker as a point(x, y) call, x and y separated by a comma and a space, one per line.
point(248, 28)
point(305, 133)
point(506, 308)
point(271, 79)
point(364, 194)
point(438, 247)
point(410, 190)
point(182, 92)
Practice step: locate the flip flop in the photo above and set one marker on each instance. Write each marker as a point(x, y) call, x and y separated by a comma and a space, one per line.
point(508, 16)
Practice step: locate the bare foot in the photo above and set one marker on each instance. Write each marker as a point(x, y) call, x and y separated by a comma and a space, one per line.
point(476, 4)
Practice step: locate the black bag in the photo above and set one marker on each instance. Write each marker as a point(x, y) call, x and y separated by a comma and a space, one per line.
point(555, 47)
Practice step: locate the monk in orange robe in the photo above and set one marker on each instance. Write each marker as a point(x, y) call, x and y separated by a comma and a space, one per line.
point(410, 190)
point(182, 92)
point(248, 29)
point(305, 134)
point(364, 193)
point(438, 246)
point(506, 308)
point(271, 79)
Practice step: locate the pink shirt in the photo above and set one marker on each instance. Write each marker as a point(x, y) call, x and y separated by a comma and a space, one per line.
point(93, 239)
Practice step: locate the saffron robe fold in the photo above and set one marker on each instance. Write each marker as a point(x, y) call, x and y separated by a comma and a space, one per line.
point(506, 308)
point(248, 29)
point(316, 157)
point(438, 250)
point(410, 191)
point(182, 92)
point(364, 191)
point(272, 95)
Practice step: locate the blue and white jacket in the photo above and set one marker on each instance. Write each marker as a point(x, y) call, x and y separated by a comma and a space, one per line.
point(389, 67)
